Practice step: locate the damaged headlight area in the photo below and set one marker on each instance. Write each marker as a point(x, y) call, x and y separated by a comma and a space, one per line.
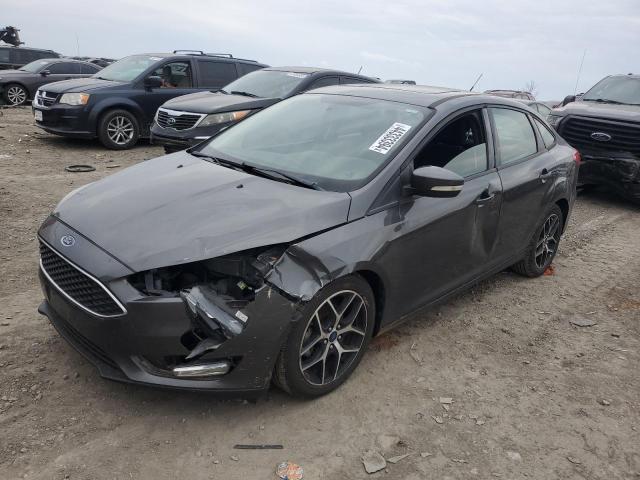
point(214, 293)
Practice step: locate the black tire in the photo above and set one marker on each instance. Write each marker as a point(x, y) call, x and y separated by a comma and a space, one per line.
point(15, 94)
point(118, 129)
point(547, 238)
point(289, 374)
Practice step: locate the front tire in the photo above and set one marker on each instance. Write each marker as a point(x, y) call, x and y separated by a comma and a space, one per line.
point(543, 246)
point(326, 345)
point(118, 130)
point(15, 94)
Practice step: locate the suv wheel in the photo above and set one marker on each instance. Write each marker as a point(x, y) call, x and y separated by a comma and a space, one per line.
point(325, 346)
point(118, 130)
point(15, 94)
point(543, 246)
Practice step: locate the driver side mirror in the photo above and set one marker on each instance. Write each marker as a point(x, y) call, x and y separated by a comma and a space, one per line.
point(435, 182)
point(568, 99)
point(152, 82)
point(45, 73)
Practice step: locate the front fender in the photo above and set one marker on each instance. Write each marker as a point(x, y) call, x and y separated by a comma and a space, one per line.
point(109, 103)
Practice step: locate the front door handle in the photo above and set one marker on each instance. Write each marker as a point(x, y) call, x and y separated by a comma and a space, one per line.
point(486, 196)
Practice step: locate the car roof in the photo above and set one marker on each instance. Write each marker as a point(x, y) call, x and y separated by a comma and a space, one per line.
point(312, 70)
point(421, 95)
point(29, 48)
point(218, 56)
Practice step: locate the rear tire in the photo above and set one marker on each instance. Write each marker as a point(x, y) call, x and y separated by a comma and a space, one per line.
point(118, 130)
point(15, 94)
point(326, 345)
point(543, 246)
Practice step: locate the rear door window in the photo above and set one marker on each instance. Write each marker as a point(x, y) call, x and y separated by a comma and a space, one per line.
point(547, 137)
point(216, 74)
point(4, 55)
point(88, 69)
point(244, 68)
point(515, 138)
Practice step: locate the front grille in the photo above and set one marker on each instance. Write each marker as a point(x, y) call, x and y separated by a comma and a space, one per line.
point(45, 99)
point(177, 120)
point(625, 137)
point(78, 286)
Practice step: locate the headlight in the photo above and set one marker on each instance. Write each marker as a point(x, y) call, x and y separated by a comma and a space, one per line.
point(74, 98)
point(226, 117)
point(554, 120)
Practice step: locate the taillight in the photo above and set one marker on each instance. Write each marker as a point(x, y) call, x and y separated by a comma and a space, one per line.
point(577, 157)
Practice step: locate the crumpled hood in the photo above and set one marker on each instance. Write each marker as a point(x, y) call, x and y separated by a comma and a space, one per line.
point(211, 102)
point(629, 113)
point(179, 209)
point(79, 85)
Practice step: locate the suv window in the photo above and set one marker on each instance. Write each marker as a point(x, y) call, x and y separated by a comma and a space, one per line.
point(244, 68)
point(88, 69)
point(461, 146)
point(324, 82)
point(69, 68)
point(216, 74)
point(515, 138)
point(4, 55)
point(547, 137)
point(175, 75)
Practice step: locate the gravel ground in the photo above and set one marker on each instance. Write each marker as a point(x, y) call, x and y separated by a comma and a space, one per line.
point(531, 395)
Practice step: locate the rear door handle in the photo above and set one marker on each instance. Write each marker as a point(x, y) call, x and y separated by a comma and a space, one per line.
point(545, 175)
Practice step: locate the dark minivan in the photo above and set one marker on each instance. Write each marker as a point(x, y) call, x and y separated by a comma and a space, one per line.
point(185, 121)
point(118, 104)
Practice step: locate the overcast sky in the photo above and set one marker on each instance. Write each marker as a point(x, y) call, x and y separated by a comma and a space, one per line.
point(445, 43)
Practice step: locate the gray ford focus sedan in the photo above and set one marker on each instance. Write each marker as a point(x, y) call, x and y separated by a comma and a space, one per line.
point(276, 250)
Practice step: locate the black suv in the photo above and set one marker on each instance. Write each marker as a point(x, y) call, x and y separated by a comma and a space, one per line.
point(15, 57)
point(604, 125)
point(118, 104)
point(18, 86)
point(188, 120)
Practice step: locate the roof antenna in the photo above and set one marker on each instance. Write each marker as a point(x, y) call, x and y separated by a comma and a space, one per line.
point(476, 82)
point(579, 71)
point(360, 69)
point(77, 45)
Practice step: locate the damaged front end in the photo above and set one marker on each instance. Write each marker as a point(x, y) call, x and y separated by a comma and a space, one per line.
point(619, 171)
point(229, 303)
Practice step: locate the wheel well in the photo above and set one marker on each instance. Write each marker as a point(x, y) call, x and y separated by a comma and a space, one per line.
point(121, 107)
point(377, 286)
point(564, 207)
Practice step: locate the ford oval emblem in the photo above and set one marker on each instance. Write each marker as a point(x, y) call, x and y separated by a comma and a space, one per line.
point(601, 136)
point(67, 241)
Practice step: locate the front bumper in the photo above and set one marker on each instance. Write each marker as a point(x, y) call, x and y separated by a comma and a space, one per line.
point(142, 345)
point(620, 172)
point(66, 120)
point(181, 139)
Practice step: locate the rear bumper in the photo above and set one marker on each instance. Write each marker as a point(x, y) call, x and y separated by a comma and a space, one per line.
point(66, 120)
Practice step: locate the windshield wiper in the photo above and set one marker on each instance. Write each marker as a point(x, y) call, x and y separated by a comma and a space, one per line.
point(246, 94)
point(269, 173)
point(277, 174)
point(221, 90)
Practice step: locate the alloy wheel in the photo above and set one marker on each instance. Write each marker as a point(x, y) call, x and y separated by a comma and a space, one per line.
point(334, 335)
point(120, 130)
point(548, 241)
point(16, 95)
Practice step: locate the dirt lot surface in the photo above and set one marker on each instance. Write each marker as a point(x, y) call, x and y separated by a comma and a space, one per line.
point(531, 394)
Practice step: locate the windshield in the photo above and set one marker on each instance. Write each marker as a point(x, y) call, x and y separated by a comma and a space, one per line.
point(337, 142)
point(267, 83)
point(617, 89)
point(34, 67)
point(128, 68)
